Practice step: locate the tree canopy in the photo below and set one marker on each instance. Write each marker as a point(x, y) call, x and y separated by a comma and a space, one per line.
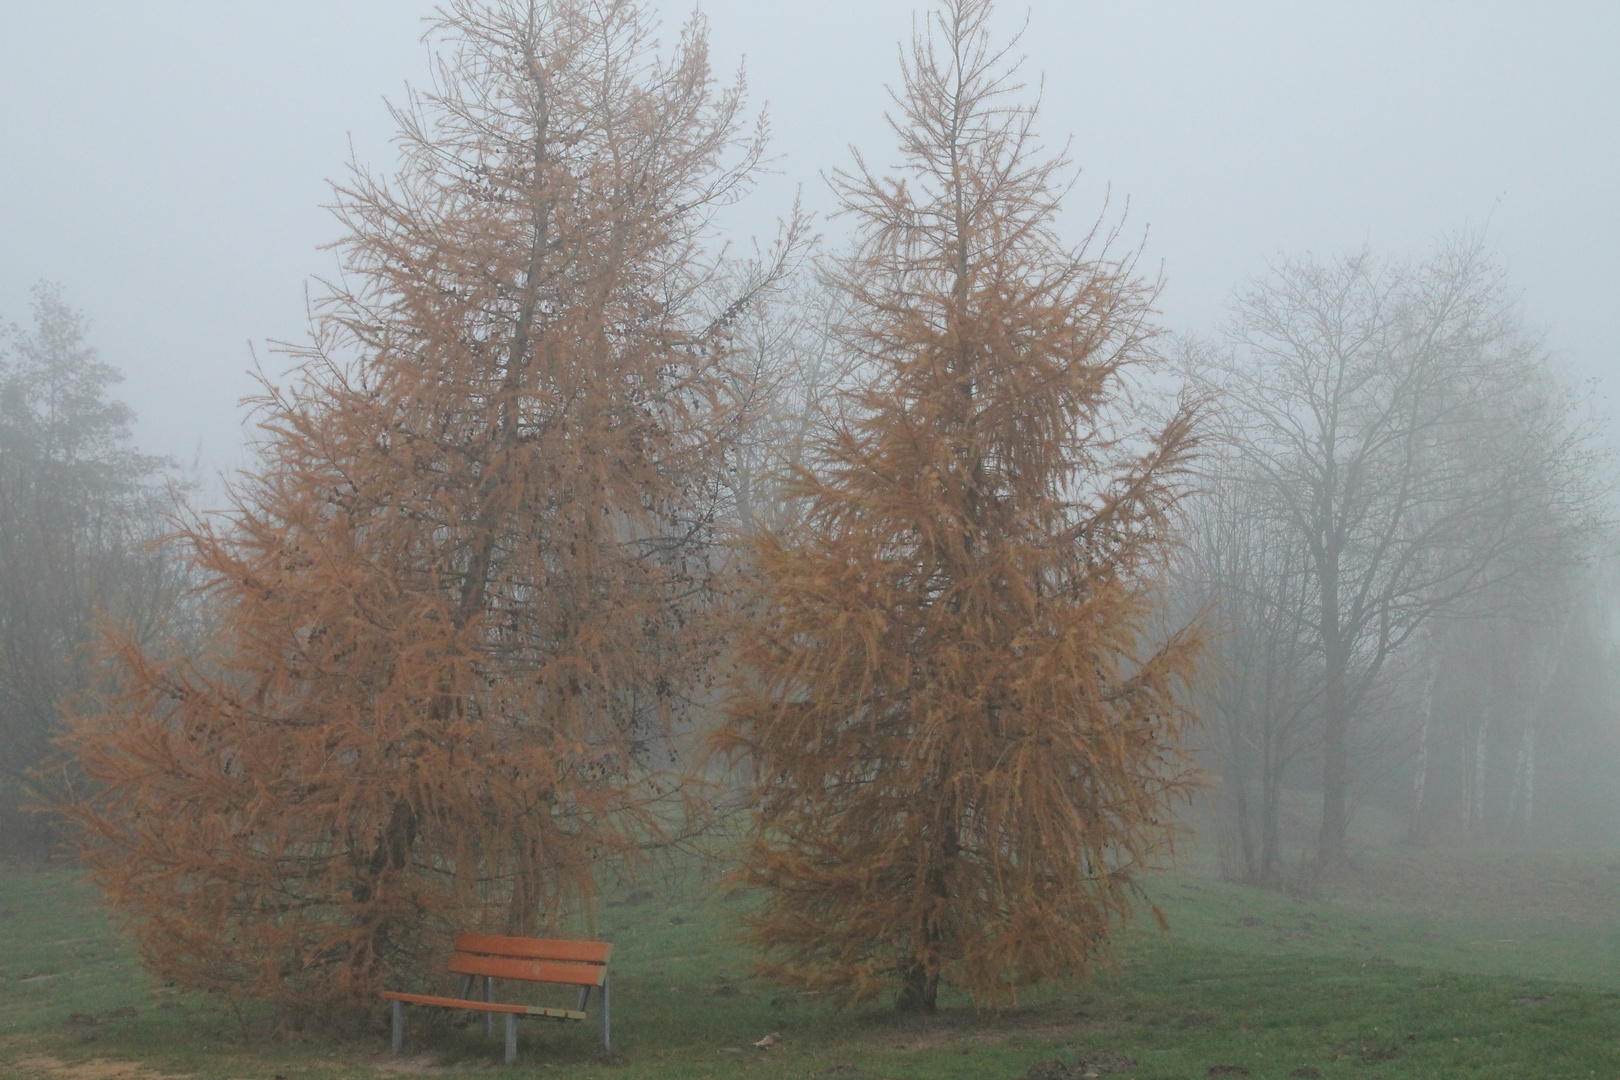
point(460, 597)
point(960, 718)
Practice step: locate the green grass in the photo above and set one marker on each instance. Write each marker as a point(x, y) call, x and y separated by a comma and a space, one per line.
point(1455, 964)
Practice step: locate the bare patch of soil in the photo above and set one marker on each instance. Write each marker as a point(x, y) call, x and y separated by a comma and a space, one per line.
point(80, 1019)
point(1092, 1063)
point(1049, 1070)
point(1105, 1061)
point(95, 1069)
point(425, 1066)
point(1367, 1052)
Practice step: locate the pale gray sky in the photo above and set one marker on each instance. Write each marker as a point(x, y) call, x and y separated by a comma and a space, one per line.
point(166, 161)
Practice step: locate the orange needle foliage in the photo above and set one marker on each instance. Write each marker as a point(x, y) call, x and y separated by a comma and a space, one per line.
point(456, 602)
point(964, 741)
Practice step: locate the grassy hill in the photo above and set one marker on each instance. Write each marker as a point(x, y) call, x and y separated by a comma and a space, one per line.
point(1418, 963)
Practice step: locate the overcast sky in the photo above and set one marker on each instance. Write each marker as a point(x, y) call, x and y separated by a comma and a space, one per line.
point(167, 162)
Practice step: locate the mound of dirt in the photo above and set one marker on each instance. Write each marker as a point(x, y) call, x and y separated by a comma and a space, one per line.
point(1367, 1052)
point(1105, 1061)
point(1050, 1070)
point(1089, 1064)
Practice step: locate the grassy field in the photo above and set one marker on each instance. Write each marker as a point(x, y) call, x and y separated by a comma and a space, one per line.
point(1500, 965)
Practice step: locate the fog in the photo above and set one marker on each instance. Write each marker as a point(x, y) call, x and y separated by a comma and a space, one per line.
point(596, 582)
point(167, 163)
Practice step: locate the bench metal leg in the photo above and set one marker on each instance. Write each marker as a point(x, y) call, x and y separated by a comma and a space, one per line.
point(584, 996)
point(489, 995)
point(511, 1037)
point(399, 1026)
point(607, 1043)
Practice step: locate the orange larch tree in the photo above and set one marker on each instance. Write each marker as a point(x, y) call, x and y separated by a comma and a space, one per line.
point(461, 598)
point(962, 724)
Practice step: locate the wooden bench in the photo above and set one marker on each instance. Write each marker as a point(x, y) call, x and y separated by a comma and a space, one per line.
point(569, 963)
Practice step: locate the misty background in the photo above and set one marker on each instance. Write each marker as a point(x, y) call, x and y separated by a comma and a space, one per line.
point(167, 166)
point(166, 163)
point(1388, 240)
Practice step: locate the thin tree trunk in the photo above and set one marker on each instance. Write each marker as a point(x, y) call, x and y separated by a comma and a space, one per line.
point(1529, 783)
point(1335, 766)
point(1335, 722)
point(1420, 776)
point(1238, 781)
point(1270, 832)
point(1240, 807)
point(1270, 798)
point(1523, 783)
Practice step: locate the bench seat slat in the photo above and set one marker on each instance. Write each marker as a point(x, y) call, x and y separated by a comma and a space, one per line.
point(546, 971)
point(575, 952)
point(484, 1006)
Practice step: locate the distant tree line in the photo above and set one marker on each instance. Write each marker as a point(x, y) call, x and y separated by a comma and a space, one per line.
point(80, 526)
point(1401, 544)
point(567, 529)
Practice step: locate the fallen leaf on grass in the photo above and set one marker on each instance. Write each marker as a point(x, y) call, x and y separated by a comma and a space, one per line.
point(769, 1041)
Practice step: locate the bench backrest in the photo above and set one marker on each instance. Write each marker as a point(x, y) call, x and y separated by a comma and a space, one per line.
point(575, 963)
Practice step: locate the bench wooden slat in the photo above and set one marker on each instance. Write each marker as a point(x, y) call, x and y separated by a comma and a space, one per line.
point(577, 952)
point(547, 971)
point(484, 1006)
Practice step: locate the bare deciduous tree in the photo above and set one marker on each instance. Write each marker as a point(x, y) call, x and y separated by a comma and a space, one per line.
point(1400, 424)
point(1249, 576)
